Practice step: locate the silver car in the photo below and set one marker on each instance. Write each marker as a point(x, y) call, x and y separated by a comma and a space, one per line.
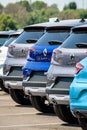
point(61, 71)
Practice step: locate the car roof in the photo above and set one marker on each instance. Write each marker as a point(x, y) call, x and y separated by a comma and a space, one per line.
point(63, 23)
point(17, 32)
point(6, 33)
point(80, 28)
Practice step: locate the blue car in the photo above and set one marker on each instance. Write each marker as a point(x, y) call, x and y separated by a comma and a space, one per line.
point(78, 93)
point(38, 62)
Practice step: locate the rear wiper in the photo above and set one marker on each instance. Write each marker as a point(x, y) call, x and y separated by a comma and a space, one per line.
point(31, 40)
point(55, 42)
point(81, 45)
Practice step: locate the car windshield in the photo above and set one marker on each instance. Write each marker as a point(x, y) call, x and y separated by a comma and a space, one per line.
point(10, 40)
point(28, 35)
point(76, 40)
point(52, 38)
point(3, 40)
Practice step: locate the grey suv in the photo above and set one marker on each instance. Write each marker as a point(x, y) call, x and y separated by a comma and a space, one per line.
point(61, 71)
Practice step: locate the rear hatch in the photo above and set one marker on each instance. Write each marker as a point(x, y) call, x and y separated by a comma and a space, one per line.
point(42, 51)
point(20, 47)
point(71, 51)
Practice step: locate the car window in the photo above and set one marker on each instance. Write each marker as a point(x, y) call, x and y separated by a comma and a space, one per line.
point(52, 36)
point(76, 40)
point(3, 39)
point(28, 35)
point(10, 40)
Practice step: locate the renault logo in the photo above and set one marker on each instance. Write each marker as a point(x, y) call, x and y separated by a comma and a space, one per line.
point(23, 51)
point(45, 52)
point(72, 56)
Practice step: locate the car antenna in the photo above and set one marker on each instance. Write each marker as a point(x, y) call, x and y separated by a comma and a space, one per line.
point(82, 20)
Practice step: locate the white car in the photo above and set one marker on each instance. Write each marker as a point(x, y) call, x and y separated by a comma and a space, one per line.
point(4, 49)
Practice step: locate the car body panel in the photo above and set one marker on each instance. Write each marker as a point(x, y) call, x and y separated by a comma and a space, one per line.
point(78, 92)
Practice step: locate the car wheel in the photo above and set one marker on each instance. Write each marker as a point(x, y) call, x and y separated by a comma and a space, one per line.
point(19, 97)
point(64, 113)
point(3, 87)
point(41, 104)
point(83, 123)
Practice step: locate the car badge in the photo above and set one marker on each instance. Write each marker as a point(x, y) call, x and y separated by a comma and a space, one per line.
point(23, 51)
point(45, 52)
point(72, 56)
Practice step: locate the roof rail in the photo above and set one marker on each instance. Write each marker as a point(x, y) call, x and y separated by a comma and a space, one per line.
point(82, 20)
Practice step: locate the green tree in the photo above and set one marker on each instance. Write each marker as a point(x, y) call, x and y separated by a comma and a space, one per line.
point(25, 3)
point(18, 12)
point(71, 5)
point(7, 22)
point(69, 14)
point(1, 6)
point(38, 5)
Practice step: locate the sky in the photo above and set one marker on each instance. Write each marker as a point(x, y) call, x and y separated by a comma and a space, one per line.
point(60, 3)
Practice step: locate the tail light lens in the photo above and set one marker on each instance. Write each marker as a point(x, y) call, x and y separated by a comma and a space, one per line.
point(55, 55)
point(79, 67)
point(0, 51)
point(10, 52)
point(29, 56)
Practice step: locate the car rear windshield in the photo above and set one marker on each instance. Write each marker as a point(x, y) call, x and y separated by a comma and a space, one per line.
point(76, 40)
point(56, 35)
point(3, 39)
point(10, 40)
point(28, 35)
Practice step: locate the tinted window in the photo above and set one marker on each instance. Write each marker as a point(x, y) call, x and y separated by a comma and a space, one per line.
point(26, 35)
point(10, 40)
point(52, 36)
point(3, 39)
point(75, 39)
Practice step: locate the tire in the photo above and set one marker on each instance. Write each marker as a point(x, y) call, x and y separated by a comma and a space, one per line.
point(3, 87)
point(63, 112)
point(40, 104)
point(19, 97)
point(83, 123)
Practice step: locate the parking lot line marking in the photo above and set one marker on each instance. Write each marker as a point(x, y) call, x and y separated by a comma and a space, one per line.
point(27, 125)
point(18, 114)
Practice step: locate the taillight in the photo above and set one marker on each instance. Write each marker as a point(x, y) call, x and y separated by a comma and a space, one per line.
point(56, 51)
point(0, 51)
point(29, 56)
point(55, 55)
point(10, 52)
point(79, 67)
point(32, 49)
point(11, 46)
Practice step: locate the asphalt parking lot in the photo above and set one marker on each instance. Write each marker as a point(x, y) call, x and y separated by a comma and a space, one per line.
point(17, 117)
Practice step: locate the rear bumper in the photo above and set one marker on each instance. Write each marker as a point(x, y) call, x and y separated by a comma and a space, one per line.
point(13, 82)
point(34, 91)
point(79, 113)
point(58, 91)
point(36, 84)
point(34, 88)
point(13, 78)
point(58, 99)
